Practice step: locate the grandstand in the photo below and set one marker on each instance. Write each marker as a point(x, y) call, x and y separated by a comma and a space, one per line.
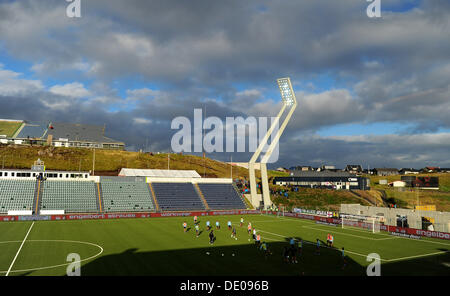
point(21, 132)
point(16, 195)
point(70, 196)
point(126, 197)
point(133, 190)
point(221, 196)
point(177, 197)
point(32, 130)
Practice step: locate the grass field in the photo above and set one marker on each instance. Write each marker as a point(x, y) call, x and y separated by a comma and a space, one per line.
point(158, 246)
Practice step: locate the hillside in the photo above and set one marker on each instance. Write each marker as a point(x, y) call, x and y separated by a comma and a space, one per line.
point(316, 199)
point(409, 198)
point(109, 162)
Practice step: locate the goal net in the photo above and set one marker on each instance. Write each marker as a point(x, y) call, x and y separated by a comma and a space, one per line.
point(371, 224)
point(277, 211)
point(280, 213)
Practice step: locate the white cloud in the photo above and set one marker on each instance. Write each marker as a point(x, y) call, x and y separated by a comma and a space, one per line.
point(74, 89)
point(11, 84)
point(142, 121)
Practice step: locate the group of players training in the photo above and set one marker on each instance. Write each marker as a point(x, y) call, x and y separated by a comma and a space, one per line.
point(212, 237)
point(290, 254)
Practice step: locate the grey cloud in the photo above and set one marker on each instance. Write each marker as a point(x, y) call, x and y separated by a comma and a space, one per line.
point(395, 69)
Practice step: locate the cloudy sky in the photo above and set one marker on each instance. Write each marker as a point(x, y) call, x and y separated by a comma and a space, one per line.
point(370, 91)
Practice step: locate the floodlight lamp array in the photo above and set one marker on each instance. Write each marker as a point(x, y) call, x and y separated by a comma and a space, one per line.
point(287, 94)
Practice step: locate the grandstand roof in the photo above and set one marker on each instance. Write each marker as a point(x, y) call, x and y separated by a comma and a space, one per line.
point(321, 174)
point(33, 130)
point(159, 173)
point(79, 132)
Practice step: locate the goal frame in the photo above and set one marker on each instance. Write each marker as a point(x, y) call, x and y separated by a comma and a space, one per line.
point(371, 223)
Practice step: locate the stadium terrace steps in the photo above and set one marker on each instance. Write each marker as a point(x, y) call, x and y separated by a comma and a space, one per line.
point(70, 196)
point(99, 200)
point(152, 192)
point(200, 193)
point(246, 202)
point(126, 197)
point(177, 197)
point(222, 196)
point(16, 195)
point(36, 196)
point(115, 196)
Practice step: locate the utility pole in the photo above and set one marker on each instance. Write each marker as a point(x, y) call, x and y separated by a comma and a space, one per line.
point(93, 164)
point(204, 156)
point(417, 194)
point(231, 168)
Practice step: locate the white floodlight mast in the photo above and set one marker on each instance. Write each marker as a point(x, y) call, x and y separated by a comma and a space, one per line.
point(289, 101)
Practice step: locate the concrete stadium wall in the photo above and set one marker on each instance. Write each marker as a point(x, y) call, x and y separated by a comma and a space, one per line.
point(212, 180)
point(441, 219)
point(189, 180)
point(121, 179)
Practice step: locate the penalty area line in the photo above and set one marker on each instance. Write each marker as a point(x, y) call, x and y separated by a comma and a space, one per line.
point(362, 255)
point(20, 248)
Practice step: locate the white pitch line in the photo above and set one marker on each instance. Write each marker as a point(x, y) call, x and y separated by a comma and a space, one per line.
point(362, 255)
point(17, 254)
point(58, 265)
point(343, 233)
point(417, 256)
point(415, 240)
point(310, 243)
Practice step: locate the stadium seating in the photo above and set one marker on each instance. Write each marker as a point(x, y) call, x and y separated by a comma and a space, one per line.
point(177, 197)
point(16, 195)
point(221, 196)
point(126, 197)
point(70, 196)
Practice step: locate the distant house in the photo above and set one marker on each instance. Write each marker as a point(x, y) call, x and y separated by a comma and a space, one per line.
point(327, 167)
point(368, 172)
point(386, 171)
point(397, 184)
point(324, 179)
point(281, 169)
point(406, 171)
point(445, 170)
point(353, 169)
point(302, 168)
point(430, 169)
point(306, 168)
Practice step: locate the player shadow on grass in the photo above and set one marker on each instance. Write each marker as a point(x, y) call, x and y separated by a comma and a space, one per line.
point(211, 260)
point(245, 259)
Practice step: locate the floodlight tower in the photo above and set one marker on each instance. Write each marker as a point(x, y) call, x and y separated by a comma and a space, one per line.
point(290, 103)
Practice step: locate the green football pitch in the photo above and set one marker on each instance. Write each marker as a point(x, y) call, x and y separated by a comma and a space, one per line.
point(158, 246)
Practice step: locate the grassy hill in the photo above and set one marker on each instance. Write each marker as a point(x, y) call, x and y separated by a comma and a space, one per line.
point(8, 128)
point(409, 198)
point(316, 199)
point(109, 162)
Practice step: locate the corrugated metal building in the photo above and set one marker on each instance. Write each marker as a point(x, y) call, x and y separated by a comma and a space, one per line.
point(324, 179)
